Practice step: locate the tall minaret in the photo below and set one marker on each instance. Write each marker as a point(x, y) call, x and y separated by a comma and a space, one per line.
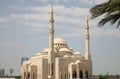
point(51, 55)
point(87, 41)
point(51, 31)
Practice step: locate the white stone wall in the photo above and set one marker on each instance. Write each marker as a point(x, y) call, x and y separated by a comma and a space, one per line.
point(45, 69)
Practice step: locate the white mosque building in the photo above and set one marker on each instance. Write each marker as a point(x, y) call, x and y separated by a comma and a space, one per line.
point(58, 61)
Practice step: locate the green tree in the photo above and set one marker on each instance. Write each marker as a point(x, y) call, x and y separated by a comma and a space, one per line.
point(110, 10)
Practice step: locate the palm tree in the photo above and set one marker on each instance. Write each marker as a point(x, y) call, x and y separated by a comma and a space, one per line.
point(110, 10)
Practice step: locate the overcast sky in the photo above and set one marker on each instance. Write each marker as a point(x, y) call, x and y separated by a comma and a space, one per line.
point(24, 26)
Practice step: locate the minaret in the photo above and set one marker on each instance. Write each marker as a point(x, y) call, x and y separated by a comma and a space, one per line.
point(87, 41)
point(51, 55)
point(51, 31)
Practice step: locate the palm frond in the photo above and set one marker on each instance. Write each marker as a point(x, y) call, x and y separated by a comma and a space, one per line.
point(111, 9)
point(118, 23)
point(98, 10)
point(113, 18)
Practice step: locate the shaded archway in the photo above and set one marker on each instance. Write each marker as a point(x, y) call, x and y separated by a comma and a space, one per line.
point(65, 76)
point(80, 74)
point(86, 74)
point(28, 75)
point(24, 75)
point(74, 75)
point(61, 75)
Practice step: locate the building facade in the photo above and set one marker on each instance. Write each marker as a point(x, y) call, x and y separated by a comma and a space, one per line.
point(58, 60)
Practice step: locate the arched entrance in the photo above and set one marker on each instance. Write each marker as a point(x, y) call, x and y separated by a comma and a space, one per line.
point(28, 75)
point(24, 75)
point(80, 74)
point(86, 74)
point(74, 75)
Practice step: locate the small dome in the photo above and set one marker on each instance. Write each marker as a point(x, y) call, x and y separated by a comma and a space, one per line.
point(64, 50)
point(46, 50)
point(33, 57)
point(38, 54)
point(59, 41)
point(77, 53)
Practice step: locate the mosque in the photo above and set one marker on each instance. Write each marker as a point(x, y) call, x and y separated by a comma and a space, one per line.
point(58, 61)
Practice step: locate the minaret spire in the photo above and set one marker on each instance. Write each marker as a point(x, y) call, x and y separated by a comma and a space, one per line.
point(87, 41)
point(51, 38)
point(51, 54)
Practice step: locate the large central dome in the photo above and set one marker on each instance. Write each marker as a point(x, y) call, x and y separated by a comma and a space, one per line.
point(59, 41)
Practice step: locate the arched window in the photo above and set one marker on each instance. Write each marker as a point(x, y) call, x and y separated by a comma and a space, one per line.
point(49, 68)
point(61, 75)
point(52, 69)
point(80, 74)
point(28, 75)
point(69, 75)
point(65, 76)
point(74, 75)
point(86, 74)
point(24, 75)
point(52, 66)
